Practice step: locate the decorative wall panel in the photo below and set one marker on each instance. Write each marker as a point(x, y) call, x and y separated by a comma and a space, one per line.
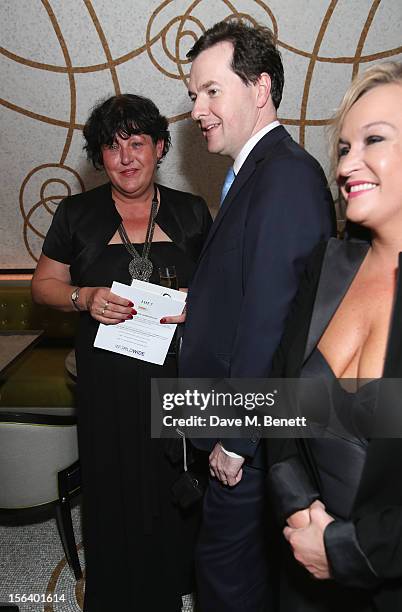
point(58, 58)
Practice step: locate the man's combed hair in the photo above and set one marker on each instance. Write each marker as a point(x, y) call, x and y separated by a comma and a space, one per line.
point(254, 52)
point(124, 116)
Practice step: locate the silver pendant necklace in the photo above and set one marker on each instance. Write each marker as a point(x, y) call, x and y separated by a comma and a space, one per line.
point(140, 267)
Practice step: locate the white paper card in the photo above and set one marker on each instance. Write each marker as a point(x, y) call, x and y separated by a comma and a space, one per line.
point(173, 293)
point(143, 337)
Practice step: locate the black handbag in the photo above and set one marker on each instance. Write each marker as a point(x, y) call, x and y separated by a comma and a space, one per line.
point(187, 490)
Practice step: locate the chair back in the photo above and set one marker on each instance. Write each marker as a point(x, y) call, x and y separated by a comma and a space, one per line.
point(33, 449)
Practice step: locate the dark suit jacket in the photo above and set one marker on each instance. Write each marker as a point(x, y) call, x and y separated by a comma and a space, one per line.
point(275, 212)
point(84, 224)
point(366, 551)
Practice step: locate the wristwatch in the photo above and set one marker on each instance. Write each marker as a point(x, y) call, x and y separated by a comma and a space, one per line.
point(74, 297)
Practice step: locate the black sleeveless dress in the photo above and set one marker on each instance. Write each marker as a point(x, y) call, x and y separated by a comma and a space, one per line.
point(337, 459)
point(138, 544)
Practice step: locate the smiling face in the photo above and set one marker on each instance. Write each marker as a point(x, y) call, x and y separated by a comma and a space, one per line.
point(369, 170)
point(228, 111)
point(131, 163)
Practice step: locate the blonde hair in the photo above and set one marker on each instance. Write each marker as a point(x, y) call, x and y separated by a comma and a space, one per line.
point(379, 74)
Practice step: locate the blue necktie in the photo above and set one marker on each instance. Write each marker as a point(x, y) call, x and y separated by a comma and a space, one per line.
point(230, 177)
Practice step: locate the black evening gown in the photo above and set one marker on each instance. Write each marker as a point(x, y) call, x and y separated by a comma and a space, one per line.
point(138, 544)
point(337, 458)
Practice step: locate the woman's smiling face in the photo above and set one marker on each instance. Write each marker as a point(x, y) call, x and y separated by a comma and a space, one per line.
point(130, 163)
point(369, 170)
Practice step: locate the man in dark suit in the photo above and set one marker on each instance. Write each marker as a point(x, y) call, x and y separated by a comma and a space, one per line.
point(275, 211)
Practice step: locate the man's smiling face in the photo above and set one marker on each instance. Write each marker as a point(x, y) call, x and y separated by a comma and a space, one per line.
point(223, 105)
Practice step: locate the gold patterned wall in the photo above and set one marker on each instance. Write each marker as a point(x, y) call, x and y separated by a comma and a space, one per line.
point(58, 58)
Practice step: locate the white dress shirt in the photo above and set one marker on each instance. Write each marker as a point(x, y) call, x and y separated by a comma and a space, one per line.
point(250, 144)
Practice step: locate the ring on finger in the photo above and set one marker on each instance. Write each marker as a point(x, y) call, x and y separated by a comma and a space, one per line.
point(104, 308)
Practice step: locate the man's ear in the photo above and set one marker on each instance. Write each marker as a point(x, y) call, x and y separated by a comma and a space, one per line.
point(264, 89)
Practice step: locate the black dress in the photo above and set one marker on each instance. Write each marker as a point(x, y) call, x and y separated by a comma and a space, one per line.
point(364, 552)
point(337, 456)
point(138, 543)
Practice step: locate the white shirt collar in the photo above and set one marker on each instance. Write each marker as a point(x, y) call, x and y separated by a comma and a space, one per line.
point(250, 144)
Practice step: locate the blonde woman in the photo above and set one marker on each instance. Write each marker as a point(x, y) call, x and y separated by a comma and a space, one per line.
point(341, 496)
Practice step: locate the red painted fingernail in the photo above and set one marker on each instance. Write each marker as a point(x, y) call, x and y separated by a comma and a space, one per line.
point(133, 311)
point(130, 304)
point(163, 320)
point(129, 317)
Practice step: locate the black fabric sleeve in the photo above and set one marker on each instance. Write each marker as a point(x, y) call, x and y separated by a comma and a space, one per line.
point(348, 563)
point(290, 484)
point(367, 551)
point(58, 243)
point(244, 447)
point(291, 487)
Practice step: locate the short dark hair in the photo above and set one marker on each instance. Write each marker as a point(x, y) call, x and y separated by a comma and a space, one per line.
point(125, 115)
point(254, 52)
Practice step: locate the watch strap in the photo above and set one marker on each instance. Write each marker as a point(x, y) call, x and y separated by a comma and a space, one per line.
point(74, 297)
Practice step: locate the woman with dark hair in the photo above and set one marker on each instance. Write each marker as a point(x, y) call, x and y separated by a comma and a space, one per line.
point(122, 230)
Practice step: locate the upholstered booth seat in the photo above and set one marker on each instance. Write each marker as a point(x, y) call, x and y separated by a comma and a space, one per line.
point(39, 378)
point(17, 311)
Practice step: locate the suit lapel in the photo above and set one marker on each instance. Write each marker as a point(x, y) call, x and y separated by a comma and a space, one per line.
point(393, 361)
point(341, 263)
point(240, 180)
point(264, 148)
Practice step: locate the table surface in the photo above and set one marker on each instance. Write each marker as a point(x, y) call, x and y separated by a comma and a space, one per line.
point(13, 345)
